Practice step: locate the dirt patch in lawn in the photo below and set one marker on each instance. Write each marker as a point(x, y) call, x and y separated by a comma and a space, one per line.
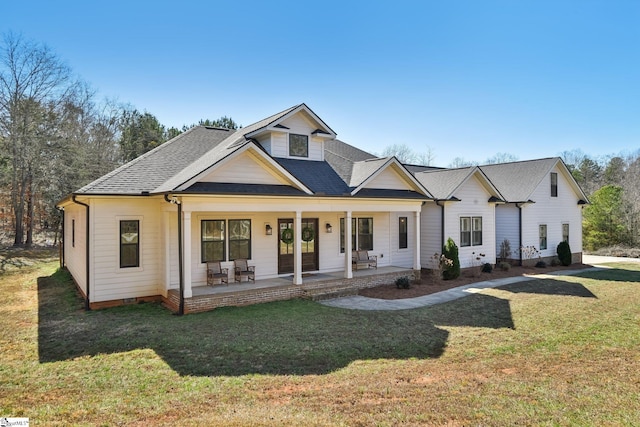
point(429, 284)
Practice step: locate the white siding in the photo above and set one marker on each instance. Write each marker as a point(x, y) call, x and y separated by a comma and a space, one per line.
point(297, 124)
point(473, 203)
point(243, 169)
point(388, 179)
point(402, 257)
point(109, 281)
point(75, 247)
point(279, 144)
point(508, 227)
point(431, 235)
point(553, 211)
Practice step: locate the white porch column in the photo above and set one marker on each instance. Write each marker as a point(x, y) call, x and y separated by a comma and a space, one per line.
point(416, 253)
point(297, 249)
point(186, 251)
point(348, 246)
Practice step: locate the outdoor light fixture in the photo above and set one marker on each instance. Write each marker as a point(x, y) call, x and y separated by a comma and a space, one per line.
point(268, 230)
point(329, 228)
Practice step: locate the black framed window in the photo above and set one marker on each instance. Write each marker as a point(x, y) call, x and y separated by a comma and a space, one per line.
point(402, 233)
point(542, 230)
point(213, 234)
point(554, 184)
point(129, 243)
point(73, 233)
point(565, 233)
point(298, 145)
point(239, 239)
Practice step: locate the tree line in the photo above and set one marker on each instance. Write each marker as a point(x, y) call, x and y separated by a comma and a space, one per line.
point(55, 136)
point(611, 182)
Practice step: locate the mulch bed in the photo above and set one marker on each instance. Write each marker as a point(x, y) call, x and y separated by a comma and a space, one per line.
point(429, 284)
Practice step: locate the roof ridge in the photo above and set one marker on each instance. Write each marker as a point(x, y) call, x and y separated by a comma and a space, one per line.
point(520, 161)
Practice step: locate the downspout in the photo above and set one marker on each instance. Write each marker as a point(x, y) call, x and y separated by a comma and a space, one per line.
point(441, 204)
point(86, 298)
point(62, 242)
point(180, 268)
point(520, 205)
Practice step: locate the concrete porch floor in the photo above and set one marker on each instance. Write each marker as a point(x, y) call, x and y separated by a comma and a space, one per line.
point(288, 280)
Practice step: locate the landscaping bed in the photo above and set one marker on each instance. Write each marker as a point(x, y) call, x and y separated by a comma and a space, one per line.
point(430, 284)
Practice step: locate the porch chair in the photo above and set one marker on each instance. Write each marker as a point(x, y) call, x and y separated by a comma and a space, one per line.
point(243, 269)
point(362, 258)
point(216, 272)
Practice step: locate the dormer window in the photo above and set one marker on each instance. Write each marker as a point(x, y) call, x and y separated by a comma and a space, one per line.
point(298, 145)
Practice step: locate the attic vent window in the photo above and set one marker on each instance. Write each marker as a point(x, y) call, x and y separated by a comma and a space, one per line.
point(298, 145)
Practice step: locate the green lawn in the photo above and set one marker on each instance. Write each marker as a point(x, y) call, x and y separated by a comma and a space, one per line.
point(548, 352)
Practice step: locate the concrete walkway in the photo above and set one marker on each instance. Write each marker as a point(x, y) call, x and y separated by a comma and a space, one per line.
point(358, 302)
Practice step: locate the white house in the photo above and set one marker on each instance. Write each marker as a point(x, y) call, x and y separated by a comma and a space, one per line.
point(148, 229)
point(286, 195)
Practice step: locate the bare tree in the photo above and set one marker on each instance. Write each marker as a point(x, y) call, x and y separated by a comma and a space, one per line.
point(33, 82)
point(501, 158)
point(407, 155)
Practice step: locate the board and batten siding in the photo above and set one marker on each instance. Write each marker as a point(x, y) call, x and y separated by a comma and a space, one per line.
point(508, 228)
point(108, 280)
point(473, 203)
point(552, 211)
point(430, 233)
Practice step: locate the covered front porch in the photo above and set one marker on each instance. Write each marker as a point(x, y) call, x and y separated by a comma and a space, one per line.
point(316, 286)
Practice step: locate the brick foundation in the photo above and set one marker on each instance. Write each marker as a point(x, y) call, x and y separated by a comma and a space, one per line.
point(314, 290)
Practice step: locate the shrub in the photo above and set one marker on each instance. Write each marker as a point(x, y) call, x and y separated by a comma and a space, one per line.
point(505, 250)
point(504, 266)
point(487, 268)
point(564, 253)
point(541, 264)
point(403, 282)
point(450, 251)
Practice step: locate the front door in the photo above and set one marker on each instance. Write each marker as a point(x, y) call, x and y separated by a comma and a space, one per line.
point(309, 236)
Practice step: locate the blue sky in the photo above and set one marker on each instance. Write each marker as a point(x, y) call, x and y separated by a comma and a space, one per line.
point(467, 78)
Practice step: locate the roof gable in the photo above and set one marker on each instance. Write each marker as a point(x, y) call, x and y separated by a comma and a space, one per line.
point(244, 168)
point(445, 184)
point(517, 181)
point(387, 174)
point(282, 121)
point(263, 165)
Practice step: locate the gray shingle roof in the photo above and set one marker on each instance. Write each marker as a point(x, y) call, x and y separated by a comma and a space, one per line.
point(341, 156)
point(363, 170)
point(442, 183)
point(319, 177)
point(151, 169)
point(516, 181)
